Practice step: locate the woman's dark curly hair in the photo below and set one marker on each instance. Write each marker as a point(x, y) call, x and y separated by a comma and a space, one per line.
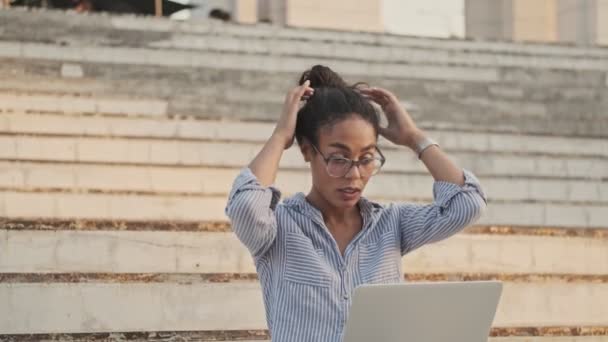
point(333, 100)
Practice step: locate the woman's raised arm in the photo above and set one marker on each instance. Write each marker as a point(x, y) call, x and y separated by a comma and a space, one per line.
point(265, 165)
point(459, 199)
point(252, 200)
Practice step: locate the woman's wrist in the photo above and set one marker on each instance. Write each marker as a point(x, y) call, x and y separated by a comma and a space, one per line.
point(414, 138)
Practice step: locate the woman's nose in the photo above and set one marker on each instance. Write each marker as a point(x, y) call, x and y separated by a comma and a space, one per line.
point(354, 170)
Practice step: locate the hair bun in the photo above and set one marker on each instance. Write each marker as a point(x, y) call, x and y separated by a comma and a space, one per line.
point(322, 76)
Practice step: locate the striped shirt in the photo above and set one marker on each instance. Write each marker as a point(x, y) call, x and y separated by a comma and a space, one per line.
point(307, 283)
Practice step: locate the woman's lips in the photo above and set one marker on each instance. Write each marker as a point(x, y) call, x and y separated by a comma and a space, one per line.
point(349, 193)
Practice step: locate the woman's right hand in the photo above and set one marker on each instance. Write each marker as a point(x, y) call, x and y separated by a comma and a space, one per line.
point(286, 126)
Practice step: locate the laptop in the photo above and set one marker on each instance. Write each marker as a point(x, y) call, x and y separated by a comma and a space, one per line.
point(423, 312)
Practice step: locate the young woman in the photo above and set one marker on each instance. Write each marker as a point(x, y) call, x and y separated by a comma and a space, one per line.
point(312, 250)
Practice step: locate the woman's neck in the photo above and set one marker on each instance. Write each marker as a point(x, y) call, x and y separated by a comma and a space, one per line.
point(332, 214)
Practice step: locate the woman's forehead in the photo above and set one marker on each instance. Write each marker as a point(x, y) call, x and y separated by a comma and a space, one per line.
point(353, 134)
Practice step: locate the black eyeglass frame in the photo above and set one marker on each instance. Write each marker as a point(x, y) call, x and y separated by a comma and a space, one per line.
point(352, 163)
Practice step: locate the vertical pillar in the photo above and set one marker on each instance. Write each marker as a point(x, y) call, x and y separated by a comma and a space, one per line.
point(158, 7)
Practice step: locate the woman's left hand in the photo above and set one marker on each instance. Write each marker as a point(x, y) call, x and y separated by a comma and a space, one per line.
point(401, 129)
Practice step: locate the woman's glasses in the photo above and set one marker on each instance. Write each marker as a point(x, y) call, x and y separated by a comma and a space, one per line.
point(339, 167)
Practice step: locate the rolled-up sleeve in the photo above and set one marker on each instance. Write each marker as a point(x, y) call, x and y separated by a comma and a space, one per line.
point(251, 211)
point(454, 208)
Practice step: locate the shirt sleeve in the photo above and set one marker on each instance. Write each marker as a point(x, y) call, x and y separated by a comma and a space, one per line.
point(251, 211)
point(454, 208)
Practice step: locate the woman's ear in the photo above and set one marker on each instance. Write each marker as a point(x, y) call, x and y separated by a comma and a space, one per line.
point(306, 150)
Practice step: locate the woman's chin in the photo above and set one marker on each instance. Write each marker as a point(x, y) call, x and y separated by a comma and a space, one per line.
point(347, 200)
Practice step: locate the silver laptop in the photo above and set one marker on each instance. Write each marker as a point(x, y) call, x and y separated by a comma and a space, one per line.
point(423, 312)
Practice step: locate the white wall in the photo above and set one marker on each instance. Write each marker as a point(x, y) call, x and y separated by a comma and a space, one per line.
point(602, 24)
point(205, 6)
point(431, 18)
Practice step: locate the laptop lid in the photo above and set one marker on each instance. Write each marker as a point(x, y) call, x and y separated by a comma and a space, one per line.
point(423, 312)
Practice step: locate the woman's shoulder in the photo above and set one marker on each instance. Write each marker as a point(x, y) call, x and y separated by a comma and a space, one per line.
point(296, 202)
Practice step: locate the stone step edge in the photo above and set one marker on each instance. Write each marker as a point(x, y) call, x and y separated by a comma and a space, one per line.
point(221, 226)
point(466, 48)
point(224, 195)
point(214, 28)
point(438, 127)
point(197, 278)
point(383, 144)
point(76, 94)
point(151, 56)
point(429, 126)
point(263, 335)
point(282, 168)
point(20, 49)
point(442, 126)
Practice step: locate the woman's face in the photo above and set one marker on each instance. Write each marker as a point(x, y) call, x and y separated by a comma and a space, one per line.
point(352, 138)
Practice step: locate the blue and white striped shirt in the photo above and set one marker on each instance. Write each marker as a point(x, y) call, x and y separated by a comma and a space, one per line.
point(307, 284)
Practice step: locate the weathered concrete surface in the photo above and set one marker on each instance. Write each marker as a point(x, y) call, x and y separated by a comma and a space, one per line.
point(210, 181)
point(72, 205)
point(56, 308)
point(83, 105)
point(520, 335)
point(141, 31)
point(64, 251)
point(223, 71)
point(144, 123)
point(223, 226)
point(186, 153)
point(110, 307)
point(204, 91)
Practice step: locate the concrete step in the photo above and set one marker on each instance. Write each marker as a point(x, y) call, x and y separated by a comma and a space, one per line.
point(83, 105)
point(237, 336)
point(191, 304)
point(117, 251)
point(205, 181)
point(530, 87)
point(101, 307)
point(376, 53)
point(19, 122)
point(62, 24)
point(473, 113)
point(520, 338)
point(240, 60)
point(264, 39)
point(66, 205)
point(514, 105)
point(213, 154)
point(114, 207)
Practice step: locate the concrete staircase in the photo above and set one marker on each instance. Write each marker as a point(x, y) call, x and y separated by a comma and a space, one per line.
point(119, 141)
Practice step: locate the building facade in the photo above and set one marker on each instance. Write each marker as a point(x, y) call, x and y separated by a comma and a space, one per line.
point(582, 22)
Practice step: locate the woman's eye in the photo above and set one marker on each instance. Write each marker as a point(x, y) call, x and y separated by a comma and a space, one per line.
point(366, 161)
point(365, 157)
point(341, 161)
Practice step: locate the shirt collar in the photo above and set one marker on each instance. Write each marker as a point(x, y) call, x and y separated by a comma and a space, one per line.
point(298, 202)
